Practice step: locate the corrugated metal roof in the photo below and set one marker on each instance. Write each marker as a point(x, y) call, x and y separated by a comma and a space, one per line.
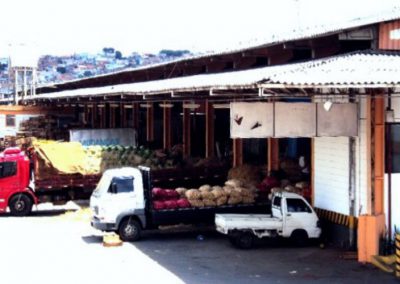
point(356, 69)
point(273, 39)
point(371, 68)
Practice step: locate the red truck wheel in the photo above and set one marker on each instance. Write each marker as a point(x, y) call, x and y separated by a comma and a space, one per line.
point(20, 205)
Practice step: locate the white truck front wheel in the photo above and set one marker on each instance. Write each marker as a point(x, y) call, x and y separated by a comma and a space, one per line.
point(129, 230)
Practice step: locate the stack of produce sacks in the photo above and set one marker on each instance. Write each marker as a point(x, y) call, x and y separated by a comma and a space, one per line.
point(247, 174)
point(299, 188)
point(207, 196)
point(168, 199)
point(231, 193)
point(239, 193)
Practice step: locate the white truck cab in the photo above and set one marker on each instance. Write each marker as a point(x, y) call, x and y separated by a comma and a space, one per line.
point(118, 194)
point(292, 217)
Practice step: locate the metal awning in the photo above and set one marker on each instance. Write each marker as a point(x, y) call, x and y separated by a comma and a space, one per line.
point(365, 69)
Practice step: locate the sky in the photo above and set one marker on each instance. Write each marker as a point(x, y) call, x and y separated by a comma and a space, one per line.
point(62, 27)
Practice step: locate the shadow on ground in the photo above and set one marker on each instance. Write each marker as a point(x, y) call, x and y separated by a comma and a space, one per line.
point(205, 256)
point(41, 213)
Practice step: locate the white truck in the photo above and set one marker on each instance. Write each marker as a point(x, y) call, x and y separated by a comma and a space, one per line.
point(123, 203)
point(292, 217)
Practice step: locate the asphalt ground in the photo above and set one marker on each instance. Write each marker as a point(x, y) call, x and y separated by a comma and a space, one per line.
point(57, 245)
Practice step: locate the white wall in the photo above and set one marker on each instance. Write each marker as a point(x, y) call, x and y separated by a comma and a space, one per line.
point(395, 179)
point(12, 130)
point(395, 201)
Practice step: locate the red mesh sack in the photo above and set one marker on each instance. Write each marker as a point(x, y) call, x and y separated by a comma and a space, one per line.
point(170, 204)
point(171, 194)
point(158, 205)
point(183, 203)
point(268, 183)
point(158, 193)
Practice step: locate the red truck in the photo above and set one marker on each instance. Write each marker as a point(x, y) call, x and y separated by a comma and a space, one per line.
point(22, 183)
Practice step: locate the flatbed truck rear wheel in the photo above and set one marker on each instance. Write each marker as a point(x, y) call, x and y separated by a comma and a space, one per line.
point(20, 205)
point(244, 240)
point(129, 230)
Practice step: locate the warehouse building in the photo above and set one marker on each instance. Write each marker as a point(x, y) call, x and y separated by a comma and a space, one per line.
point(328, 94)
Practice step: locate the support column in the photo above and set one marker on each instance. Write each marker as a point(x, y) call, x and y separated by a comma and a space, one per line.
point(135, 116)
point(186, 131)
point(101, 116)
point(25, 85)
point(150, 123)
point(94, 116)
point(209, 129)
point(372, 226)
point(378, 105)
point(237, 152)
point(273, 154)
point(113, 108)
point(16, 86)
point(167, 127)
point(122, 115)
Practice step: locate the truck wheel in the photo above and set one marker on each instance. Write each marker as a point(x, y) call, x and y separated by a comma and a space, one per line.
point(299, 237)
point(232, 240)
point(244, 240)
point(20, 205)
point(129, 230)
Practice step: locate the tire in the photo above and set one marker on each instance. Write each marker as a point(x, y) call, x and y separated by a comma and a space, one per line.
point(232, 240)
point(299, 238)
point(20, 205)
point(244, 240)
point(129, 230)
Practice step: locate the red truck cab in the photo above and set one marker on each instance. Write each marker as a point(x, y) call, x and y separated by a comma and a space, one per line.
point(15, 179)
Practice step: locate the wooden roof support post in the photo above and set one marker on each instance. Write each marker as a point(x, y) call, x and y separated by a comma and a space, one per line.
point(150, 123)
point(112, 116)
point(209, 129)
point(102, 117)
point(167, 127)
point(378, 124)
point(237, 152)
point(186, 131)
point(86, 114)
point(273, 154)
point(94, 116)
point(122, 113)
point(135, 116)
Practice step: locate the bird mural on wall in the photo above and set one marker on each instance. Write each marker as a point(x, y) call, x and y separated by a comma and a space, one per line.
point(256, 125)
point(238, 119)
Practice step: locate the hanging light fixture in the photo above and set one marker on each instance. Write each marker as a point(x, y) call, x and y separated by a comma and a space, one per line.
point(328, 105)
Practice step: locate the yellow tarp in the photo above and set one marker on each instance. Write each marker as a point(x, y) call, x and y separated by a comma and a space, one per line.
point(65, 157)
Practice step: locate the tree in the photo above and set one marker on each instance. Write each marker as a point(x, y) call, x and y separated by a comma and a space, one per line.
point(61, 69)
point(108, 50)
point(118, 54)
point(174, 53)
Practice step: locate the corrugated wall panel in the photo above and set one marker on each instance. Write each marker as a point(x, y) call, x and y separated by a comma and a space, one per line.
point(389, 35)
point(331, 168)
point(331, 180)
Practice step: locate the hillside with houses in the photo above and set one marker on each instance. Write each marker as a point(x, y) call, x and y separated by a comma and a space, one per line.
point(55, 69)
